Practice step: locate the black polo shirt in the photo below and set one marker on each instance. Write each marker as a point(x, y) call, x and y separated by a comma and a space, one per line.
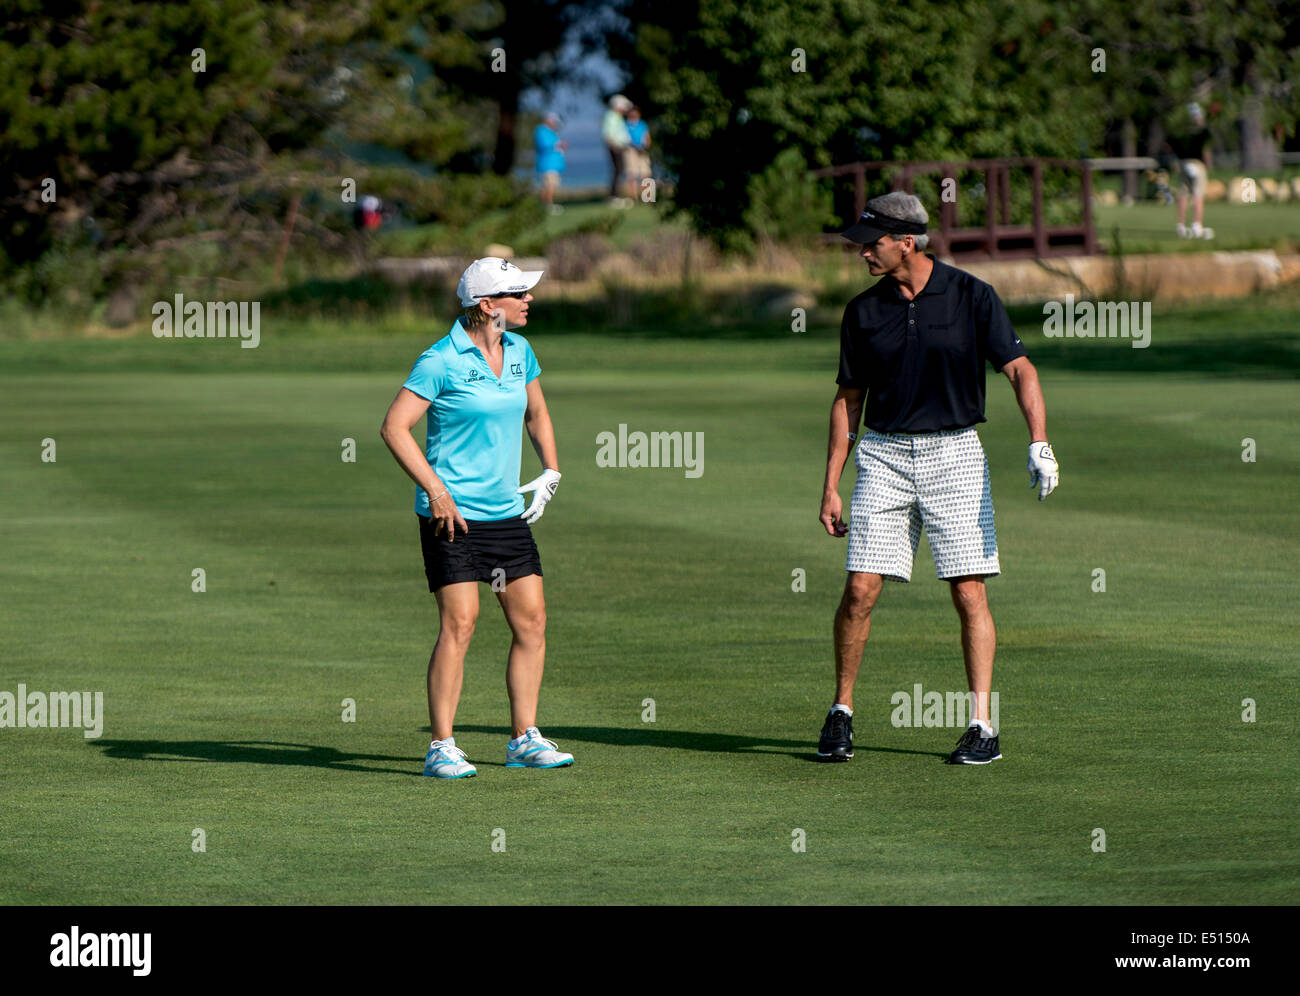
point(921, 362)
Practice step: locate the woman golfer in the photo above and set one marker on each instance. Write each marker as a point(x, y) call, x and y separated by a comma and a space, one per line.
point(477, 385)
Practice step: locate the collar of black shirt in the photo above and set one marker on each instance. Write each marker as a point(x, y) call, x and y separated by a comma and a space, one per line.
point(937, 284)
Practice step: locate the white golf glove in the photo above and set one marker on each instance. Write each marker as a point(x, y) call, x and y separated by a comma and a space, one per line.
point(544, 487)
point(1044, 472)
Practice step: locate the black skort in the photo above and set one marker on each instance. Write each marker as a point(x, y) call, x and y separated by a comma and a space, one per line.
point(491, 551)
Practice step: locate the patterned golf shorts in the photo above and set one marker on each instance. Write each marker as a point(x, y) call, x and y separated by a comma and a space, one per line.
point(939, 480)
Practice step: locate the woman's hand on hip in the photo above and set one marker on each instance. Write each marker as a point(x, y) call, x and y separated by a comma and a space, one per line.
point(446, 517)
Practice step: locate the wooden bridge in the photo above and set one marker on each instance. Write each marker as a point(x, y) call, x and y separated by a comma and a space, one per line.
point(999, 237)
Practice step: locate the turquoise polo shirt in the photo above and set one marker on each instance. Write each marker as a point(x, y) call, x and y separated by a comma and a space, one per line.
point(475, 422)
point(549, 157)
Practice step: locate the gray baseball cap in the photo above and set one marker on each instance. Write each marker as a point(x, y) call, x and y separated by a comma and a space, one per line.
point(872, 225)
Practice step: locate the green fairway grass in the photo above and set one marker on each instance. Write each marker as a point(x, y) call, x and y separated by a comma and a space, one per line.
point(1120, 710)
point(1149, 227)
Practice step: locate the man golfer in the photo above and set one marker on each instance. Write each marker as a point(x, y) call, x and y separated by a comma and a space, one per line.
point(1185, 153)
point(479, 388)
point(912, 352)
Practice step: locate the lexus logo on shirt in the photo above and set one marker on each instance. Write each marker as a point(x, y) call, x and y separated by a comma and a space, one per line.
point(474, 375)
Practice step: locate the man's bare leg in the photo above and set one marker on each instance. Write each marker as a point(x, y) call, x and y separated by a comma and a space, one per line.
point(852, 627)
point(978, 638)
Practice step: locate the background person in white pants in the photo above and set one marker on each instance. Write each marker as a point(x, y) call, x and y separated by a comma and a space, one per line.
point(912, 353)
point(1184, 153)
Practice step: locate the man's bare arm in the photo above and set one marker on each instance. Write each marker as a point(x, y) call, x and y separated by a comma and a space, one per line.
point(1029, 395)
point(846, 411)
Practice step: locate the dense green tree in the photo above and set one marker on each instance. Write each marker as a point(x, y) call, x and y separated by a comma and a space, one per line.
point(1240, 61)
point(146, 138)
point(953, 79)
point(732, 84)
point(490, 53)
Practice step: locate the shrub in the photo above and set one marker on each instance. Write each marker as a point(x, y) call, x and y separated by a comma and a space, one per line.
point(575, 257)
point(786, 204)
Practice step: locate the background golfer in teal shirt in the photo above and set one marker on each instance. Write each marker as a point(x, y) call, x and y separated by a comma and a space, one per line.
point(549, 153)
point(479, 387)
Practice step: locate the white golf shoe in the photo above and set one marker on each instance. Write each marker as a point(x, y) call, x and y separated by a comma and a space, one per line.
point(446, 760)
point(533, 750)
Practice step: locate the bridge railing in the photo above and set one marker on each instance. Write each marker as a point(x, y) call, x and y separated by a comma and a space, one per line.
point(999, 237)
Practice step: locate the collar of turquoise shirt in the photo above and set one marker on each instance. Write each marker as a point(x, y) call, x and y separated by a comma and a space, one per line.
point(463, 343)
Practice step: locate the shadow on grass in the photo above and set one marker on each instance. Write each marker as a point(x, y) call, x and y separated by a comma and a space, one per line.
point(677, 310)
point(1258, 341)
point(714, 743)
point(1273, 357)
point(360, 298)
point(250, 752)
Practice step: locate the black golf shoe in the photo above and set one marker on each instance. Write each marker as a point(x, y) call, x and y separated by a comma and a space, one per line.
point(836, 743)
point(975, 748)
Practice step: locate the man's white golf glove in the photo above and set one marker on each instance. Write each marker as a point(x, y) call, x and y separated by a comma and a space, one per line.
point(544, 487)
point(1044, 472)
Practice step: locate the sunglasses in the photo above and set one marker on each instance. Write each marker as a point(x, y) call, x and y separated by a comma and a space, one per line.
point(519, 294)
